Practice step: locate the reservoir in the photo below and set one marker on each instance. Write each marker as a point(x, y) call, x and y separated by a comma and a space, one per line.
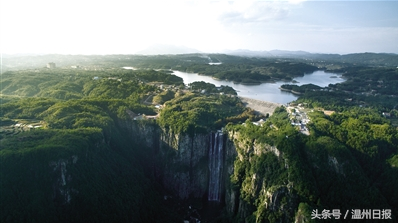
point(267, 91)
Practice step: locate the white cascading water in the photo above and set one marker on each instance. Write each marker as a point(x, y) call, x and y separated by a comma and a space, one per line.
point(215, 166)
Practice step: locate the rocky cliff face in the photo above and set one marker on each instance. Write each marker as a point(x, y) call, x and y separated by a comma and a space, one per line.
point(62, 191)
point(231, 194)
point(180, 160)
point(185, 169)
point(182, 165)
point(251, 192)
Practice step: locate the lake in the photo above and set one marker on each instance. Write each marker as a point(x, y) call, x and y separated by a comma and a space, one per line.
point(267, 91)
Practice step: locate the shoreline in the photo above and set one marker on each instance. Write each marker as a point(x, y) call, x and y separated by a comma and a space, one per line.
point(236, 82)
point(270, 81)
point(291, 91)
point(262, 107)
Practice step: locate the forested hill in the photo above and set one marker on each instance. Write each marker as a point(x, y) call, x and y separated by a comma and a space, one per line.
point(64, 155)
point(66, 146)
point(348, 162)
point(38, 61)
point(89, 141)
point(372, 87)
point(238, 69)
point(367, 59)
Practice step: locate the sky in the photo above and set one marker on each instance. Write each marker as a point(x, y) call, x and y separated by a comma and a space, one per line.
point(126, 27)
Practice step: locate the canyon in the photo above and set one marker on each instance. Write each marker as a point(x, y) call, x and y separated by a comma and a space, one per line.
point(201, 167)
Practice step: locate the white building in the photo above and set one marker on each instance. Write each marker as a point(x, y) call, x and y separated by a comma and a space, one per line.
point(51, 65)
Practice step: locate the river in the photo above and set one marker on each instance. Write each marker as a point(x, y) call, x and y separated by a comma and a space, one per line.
point(267, 91)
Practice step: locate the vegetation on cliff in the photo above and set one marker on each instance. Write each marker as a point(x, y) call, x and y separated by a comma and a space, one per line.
point(345, 163)
point(76, 175)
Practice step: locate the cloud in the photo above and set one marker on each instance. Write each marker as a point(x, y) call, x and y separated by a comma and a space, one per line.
point(296, 1)
point(123, 26)
point(253, 12)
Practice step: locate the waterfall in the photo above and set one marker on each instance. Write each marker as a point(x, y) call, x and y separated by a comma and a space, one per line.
point(215, 166)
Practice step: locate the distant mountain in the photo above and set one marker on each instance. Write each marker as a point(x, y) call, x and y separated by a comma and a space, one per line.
point(167, 49)
point(289, 53)
point(373, 59)
point(272, 53)
point(367, 59)
point(248, 53)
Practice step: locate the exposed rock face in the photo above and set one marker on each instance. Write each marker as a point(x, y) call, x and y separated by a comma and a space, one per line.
point(216, 162)
point(185, 169)
point(61, 190)
point(231, 195)
point(333, 162)
point(253, 194)
point(182, 166)
point(180, 160)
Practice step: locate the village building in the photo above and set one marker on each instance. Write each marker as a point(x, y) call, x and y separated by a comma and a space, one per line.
point(51, 65)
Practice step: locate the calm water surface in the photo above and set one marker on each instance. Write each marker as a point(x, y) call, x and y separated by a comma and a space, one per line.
point(267, 91)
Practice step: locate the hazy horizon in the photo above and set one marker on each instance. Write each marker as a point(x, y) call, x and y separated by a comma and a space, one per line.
point(122, 27)
point(227, 52)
